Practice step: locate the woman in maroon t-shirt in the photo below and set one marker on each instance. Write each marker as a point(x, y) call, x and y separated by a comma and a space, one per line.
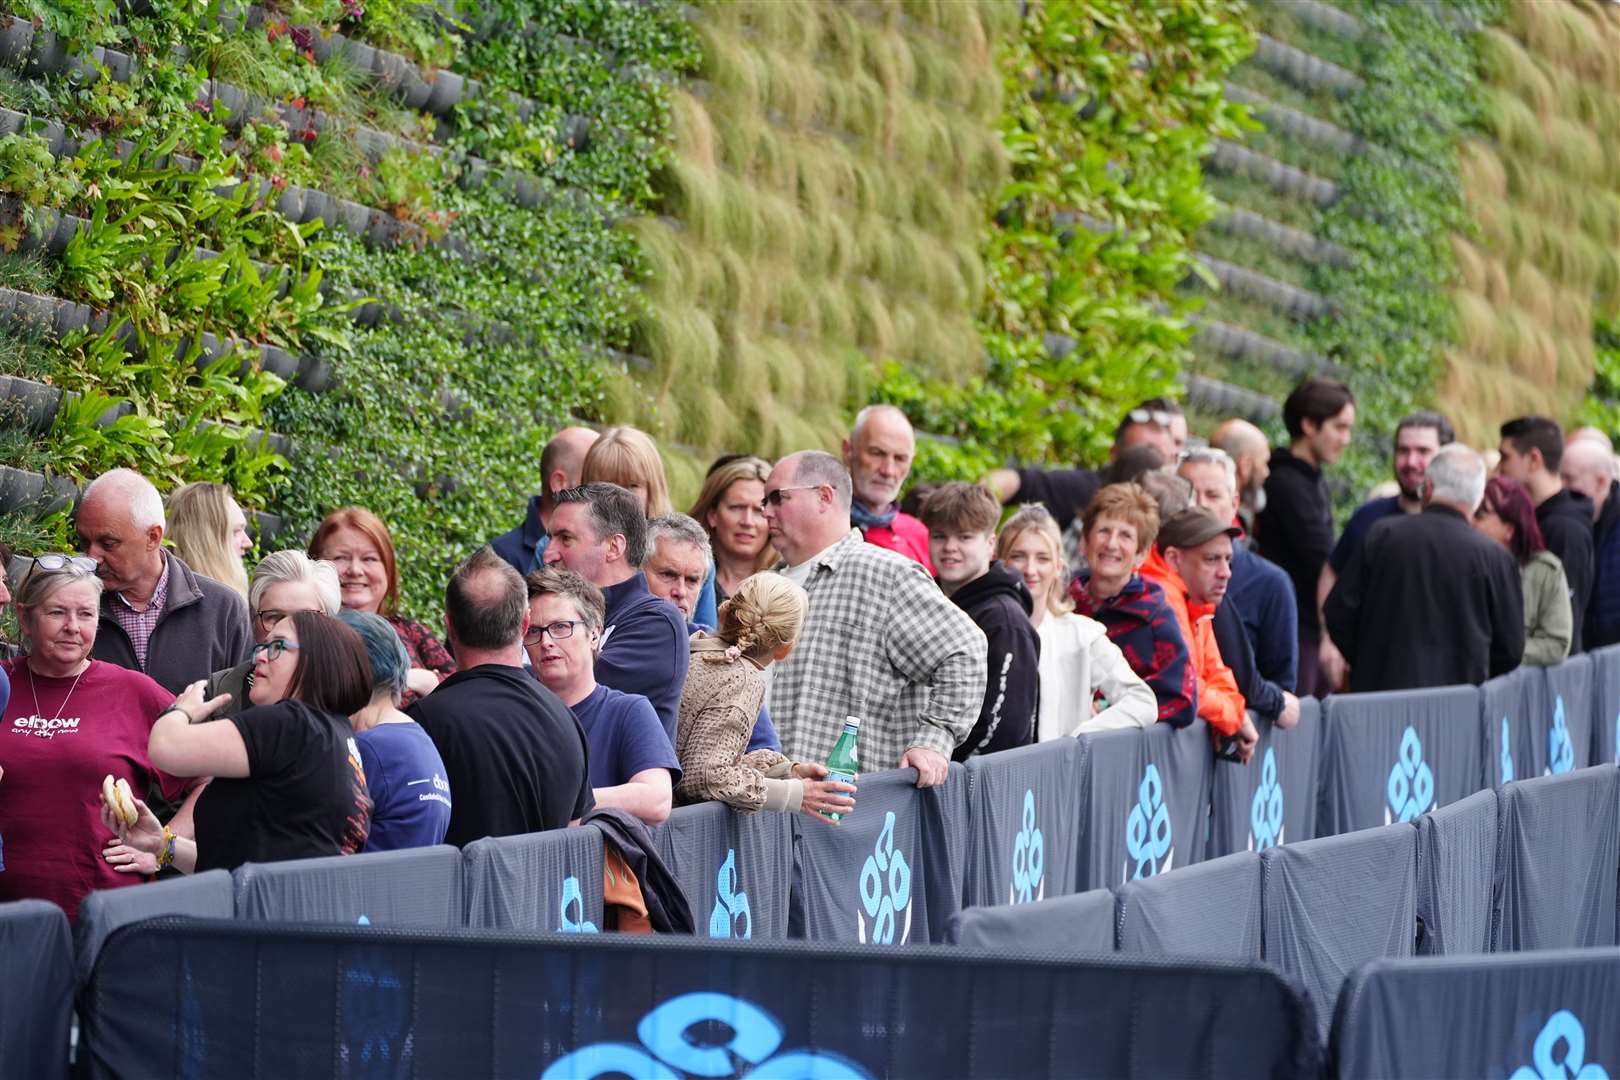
point(71, 720)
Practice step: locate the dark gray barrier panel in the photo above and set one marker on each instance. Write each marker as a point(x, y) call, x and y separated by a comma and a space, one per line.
point(1508, 707)
point(1025, 843)
point(1211, 910)
point(419, 887)
point(207, 895)
point(891, 872)
point(736, 869)
point(1330, 905)
point(1390, 757)
point(1558, 845)
point(1562, 741)
point(545, 881)
point(252, 1000)
point(1456, 874)
point(1529, 1016)
point(1272, 799)
point(1083, 923)
point(36, 994)
point(1144, 799)
point(1606, 705)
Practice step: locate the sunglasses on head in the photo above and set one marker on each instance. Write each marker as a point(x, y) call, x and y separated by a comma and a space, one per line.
point(1150, 416)
point(84, 564)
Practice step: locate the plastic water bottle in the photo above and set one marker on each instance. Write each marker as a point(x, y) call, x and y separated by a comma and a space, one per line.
point(843, 763)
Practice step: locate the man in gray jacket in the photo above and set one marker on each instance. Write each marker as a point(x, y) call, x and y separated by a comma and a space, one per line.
point(158, 616)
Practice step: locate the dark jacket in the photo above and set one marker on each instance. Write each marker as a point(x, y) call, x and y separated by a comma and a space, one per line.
point(1263, 597)
point(203, 628)
point(644, 648)
point(1140, 621)
point(521, 547)
point(668, 909)
point(1603, 610)
point(999, 603)
point(1260, 694)
point(1427, 601)
point(1566, 526)
point(236, 681)
point(1295, 530)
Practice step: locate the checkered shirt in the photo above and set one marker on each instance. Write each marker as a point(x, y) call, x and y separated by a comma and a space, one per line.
point(140, 624)
point(883, 643)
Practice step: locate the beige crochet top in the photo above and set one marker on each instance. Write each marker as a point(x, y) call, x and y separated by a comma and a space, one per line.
point(718, 709)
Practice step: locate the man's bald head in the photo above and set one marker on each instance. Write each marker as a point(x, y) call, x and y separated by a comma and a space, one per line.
point(486, 604)
point(1246, 445)
point(1588, 468)
point(563, 459)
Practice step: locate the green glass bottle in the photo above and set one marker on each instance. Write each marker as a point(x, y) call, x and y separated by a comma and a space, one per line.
point(844, 763)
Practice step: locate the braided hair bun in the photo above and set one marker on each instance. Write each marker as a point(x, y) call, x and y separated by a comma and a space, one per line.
point(765, 613)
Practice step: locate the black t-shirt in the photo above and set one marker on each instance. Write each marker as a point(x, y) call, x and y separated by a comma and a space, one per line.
point(515, 755)
point(304, 795)
point(1064, 492)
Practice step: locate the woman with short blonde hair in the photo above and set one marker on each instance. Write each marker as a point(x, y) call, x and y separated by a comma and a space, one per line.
point(627, 457)
point(209, 532)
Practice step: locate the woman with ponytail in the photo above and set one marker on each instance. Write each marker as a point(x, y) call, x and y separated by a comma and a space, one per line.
point(725, 686)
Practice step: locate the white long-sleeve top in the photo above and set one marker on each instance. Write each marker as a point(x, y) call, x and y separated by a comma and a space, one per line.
point(1077, 659)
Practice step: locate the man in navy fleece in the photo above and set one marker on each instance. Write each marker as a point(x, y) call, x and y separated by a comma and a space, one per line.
point(600, 533)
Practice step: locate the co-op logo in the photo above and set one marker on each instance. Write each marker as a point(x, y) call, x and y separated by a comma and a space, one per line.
point(1028, 858)
point(704, 1035)
point(1560, 747)
point(573, 909)
point(731, 917)
point(885, 891)
point(1147, 830)
point(1266, 811)
point(1411, 783)
point(1560, 1052)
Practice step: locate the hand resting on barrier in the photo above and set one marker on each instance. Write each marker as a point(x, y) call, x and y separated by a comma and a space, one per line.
point(931, 765)
point(822, 797)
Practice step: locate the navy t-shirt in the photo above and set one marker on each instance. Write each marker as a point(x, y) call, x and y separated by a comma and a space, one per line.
point(410, 796)
point(624, 736)
point(1355, 530)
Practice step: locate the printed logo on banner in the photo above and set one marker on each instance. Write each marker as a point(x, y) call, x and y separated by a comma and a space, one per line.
point(1506, 759)
point(885, 890)
point(731, 917)
point(376, 1018)
point(1148, 838)
point(1560, 748)
point(1028, 858)
point(1560, 1052)
point(1266, 811)
point(573, 909)
point(1411, 783)
point(669, 1049)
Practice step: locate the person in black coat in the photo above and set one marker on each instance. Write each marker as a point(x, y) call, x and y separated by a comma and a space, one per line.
point(1429, 601)
point(961, 520)
point(1532, 451)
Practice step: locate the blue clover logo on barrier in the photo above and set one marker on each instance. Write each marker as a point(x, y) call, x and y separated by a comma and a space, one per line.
point(1562, 1031)
point(731, 917)
point(1411, 783)
point(1028, 857)
point(573, 909)
point(1266, 811)
point(886, 866)
point(1560, 748)
point(1506, 760)
point(673, 1046)
point(1147, 829)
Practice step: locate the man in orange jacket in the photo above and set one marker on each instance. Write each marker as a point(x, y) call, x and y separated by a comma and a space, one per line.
point(1192, 563)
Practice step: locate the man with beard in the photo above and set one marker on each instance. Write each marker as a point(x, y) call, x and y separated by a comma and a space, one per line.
point(878, 454)
point(1246, 445)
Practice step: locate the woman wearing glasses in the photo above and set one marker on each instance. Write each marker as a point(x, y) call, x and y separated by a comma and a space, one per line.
point(287, 781)
point(70, 722)
point(283, 583)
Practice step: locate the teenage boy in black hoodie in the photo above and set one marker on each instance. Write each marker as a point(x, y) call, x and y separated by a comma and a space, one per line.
point(961, 520)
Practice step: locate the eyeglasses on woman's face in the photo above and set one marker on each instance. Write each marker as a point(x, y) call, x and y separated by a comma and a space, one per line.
point(560, 630)
point(271, 650)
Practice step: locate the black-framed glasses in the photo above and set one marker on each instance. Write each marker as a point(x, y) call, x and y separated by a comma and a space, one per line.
point(774, 498)
point(273, 648)
point(266, 618)
point(84, 564)
point(560, 630)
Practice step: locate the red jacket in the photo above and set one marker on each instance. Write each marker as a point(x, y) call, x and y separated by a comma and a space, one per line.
point(1219, 701)
point(904, 534)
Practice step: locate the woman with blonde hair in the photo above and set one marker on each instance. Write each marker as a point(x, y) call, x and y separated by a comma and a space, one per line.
point(1078, 663)
point(209, 533)
point(731, 507)
point(724, 689)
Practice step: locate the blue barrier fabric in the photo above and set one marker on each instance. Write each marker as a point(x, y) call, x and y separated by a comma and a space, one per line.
point(736, 869)
point(257, 1000)
point(1533, 1016)
point(1082, 923)
point(1509, 705)
point(891, 872)
point(1024, 844)
point(420, 887)
point(1456, 875)
point(1144, 801)
point(1558, 845)
point(1211, 910)
point(547, 881)
point(207, 895)
point(1392, 756)
point(36, 994)
point(1272, 799)
point(1332, 904)
point(1606, 705)
point(1563, 741)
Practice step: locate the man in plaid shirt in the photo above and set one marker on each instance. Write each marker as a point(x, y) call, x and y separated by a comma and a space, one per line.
point(880, 641)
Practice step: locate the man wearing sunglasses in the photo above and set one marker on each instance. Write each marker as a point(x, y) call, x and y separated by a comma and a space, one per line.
point(158, 616)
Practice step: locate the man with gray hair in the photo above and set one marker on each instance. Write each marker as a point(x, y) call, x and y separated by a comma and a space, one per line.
point(878, 454)
point(881, 642)
point(678, 559)
point(158, 616)
point(1427, 600)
